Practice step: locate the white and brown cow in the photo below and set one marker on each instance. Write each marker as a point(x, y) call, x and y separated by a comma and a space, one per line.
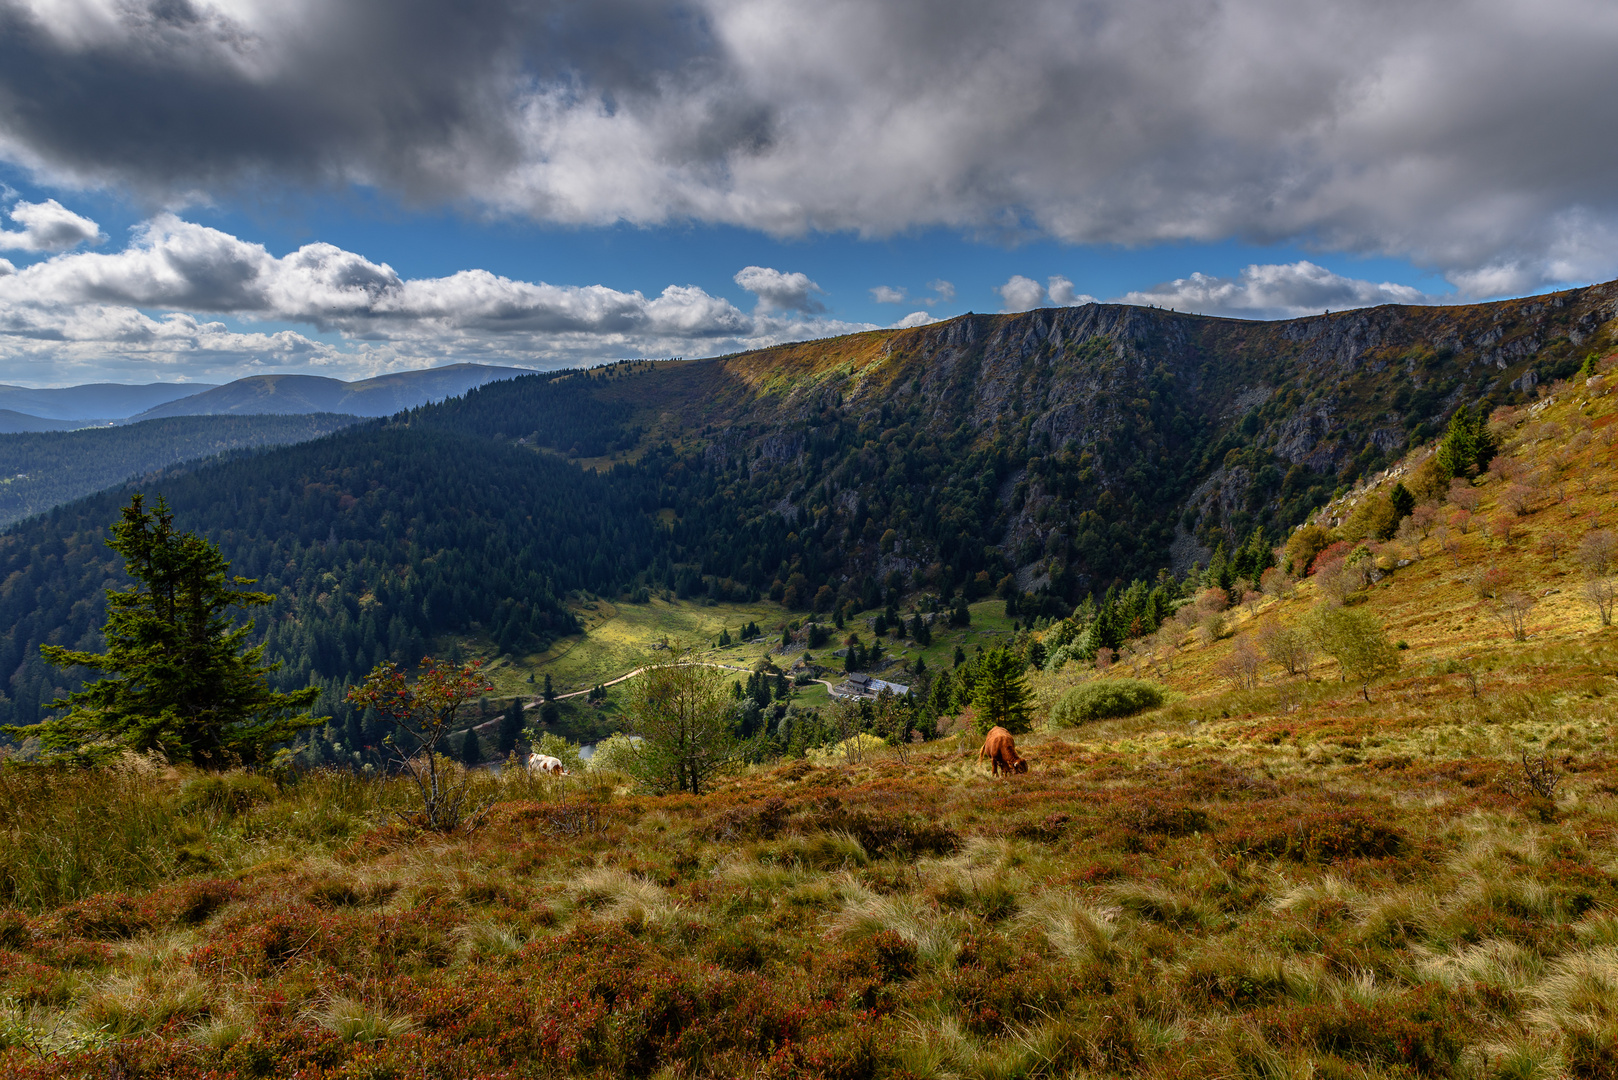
point(544, 763)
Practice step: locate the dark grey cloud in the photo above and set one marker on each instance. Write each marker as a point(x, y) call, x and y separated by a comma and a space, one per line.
point(1467, 135)
point(419, 96)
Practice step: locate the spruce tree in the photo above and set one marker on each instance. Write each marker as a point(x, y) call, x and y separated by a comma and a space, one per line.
point(510, 728)
point(471, 752)
point(1001, 693)
point(1467, 447)
point(183, 679)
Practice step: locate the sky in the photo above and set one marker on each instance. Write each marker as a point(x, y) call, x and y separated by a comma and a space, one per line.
point(196, 190)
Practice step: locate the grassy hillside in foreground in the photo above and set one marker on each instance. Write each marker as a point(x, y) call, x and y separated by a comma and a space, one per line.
point(1269, 880)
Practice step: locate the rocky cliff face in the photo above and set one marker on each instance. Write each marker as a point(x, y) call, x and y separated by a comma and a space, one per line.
point(1172, 424)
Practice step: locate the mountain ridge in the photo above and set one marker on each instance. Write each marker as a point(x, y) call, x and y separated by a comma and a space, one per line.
point(381, 395)
point(93, 401)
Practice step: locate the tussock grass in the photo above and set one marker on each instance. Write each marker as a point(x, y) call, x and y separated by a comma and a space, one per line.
point(625, 898)
point(355, 1021)
point(934, 932)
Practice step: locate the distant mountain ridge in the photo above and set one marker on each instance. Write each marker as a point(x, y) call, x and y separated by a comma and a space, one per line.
point(13, 422)
point(92, 401)
point(383, 395)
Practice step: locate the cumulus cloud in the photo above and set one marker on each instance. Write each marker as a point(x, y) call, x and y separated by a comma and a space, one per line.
point(943, 292)
point(1113, 121)
point(1275, 291)
point(77, 309)
point(778, 291)
point(915, 318)
point(1021, 294)
point(48, 226)
point(1063, 294)
point(882, 294)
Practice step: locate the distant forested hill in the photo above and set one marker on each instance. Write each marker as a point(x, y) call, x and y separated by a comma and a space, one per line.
point(1051, 454)
point(42, 470)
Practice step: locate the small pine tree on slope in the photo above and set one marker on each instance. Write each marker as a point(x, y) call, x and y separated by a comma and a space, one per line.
point(183, 679)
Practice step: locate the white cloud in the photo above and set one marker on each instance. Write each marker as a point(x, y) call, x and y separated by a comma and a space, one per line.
point(882, 294)
point(915, 318)
point(943, 292)
point(779, 291)
point(1275, 291)
point(1021, 294)
point(7, 267)
point(1064, 295)
point(48, 226)
point(84, 314)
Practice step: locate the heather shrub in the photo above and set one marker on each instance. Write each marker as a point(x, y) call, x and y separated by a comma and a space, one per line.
point(14, 929)
point(753, 821)
point(886, 834)
point(881, 958)
point(1423, 1030)
point(997, 986)
point(1325, 837)
point(1104, 699)
point(1161, 819)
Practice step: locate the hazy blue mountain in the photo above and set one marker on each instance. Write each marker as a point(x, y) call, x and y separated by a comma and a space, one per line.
point(13, 422)
point(381, 396)
point(92, 401)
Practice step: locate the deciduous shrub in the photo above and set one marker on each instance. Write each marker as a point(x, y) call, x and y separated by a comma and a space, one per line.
point(1104, 699)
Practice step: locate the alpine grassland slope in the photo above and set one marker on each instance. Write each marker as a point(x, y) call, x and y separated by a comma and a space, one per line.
point(1283, 869)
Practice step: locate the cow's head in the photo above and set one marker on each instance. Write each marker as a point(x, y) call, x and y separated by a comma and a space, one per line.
point(1022, 765)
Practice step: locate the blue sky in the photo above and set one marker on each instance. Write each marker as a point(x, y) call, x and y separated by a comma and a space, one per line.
point(200, 189)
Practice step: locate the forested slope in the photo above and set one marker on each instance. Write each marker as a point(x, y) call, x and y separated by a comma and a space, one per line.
point(1066, 450)
point(45, 469)
point(371, 540)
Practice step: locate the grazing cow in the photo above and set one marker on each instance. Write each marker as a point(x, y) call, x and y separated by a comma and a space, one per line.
point(546, 764)
point(1002, 752)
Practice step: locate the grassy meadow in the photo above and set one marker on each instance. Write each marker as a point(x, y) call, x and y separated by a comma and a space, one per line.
point(1272, 876)
point(619, 637)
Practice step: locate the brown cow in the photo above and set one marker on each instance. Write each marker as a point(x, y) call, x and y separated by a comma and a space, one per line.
point(1002, 752)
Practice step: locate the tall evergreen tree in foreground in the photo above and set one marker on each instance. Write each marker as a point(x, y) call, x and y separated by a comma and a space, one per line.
point(183, 679)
